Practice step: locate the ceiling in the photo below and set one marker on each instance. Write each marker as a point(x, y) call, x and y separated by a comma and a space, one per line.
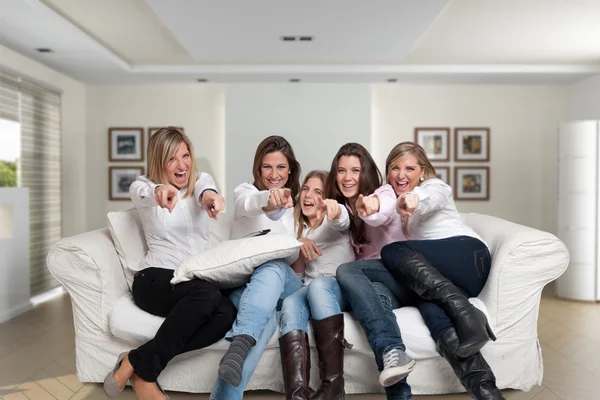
point(431, 41)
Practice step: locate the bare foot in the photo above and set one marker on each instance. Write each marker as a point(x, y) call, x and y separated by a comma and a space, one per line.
point(146, 390)
point(124, 372)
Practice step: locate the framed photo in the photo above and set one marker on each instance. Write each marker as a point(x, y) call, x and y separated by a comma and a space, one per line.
point(443, 173)
point(472, 183)
point(126, 144)
point(119, 180)
point(435, 142)
point(472, 144)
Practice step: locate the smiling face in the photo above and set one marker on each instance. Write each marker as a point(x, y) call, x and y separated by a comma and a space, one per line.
point(404, 174)
point(178, 167)
point(274, 170)
point(347, 177)
point(312, 189)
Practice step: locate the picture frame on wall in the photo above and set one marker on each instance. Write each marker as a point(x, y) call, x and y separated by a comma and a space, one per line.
point(443, 173)
point(435, 142)
point(472, 144)
point(471, 183)
point(126, 144)
point(119, 180)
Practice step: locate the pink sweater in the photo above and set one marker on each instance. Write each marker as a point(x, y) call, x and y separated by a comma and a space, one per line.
point(382, 228)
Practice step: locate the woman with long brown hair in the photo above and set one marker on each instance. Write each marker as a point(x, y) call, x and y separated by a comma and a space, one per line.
point(265, 204)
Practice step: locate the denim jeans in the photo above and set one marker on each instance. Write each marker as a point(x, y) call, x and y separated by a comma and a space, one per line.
point(225, 391)
point(322, 298)
point(272, 281)
point(257, 317)
point(464, 260)
point(373, 293)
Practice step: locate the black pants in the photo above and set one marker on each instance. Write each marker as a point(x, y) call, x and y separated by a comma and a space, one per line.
point(464, 260)
point(197, 315)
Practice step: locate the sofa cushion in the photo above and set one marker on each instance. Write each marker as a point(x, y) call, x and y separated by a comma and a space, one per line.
point(130, 323)
point(231, 263)
point(128, 236)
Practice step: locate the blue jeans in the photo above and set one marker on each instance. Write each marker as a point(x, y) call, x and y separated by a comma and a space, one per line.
point(373, 293)
point(272, 281)
point(269, 279)
point(322, 298)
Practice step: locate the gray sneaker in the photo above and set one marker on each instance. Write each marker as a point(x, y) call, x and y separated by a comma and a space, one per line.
point(396, 366)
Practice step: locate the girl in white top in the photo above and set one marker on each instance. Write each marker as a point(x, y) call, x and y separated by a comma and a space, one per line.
point(322, 226)
point(265, 204)
point(444, 262)
point(174, 205)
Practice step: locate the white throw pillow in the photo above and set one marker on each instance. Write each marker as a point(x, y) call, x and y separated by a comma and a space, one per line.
point(230, 264)
point(128, 236)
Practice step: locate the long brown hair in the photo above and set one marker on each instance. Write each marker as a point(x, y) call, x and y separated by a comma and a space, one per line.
point(398, 154)
point(369, 180)
point(300, 219)
point(162, 146)
point(271, 145)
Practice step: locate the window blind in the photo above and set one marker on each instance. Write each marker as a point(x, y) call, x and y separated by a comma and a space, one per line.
point(41, 173)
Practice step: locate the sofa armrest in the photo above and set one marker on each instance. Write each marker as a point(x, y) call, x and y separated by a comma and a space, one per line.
point(524, 260)
point(88, 267)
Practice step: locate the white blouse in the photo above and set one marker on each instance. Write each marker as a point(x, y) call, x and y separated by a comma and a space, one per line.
point(333, 239)
point(171, 236)
point(436, 216)
point(249, 217)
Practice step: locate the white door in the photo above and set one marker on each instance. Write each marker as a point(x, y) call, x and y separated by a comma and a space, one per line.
point(578, 208)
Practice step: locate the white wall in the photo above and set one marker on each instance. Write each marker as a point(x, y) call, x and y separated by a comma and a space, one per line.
point(197, 108)
point(523, 121)
point(315, 118)
point(585, 99)
point(73, 147)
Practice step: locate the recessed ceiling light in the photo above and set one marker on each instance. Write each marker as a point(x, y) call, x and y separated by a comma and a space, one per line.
point(288, 38)
point(305, 38)
point(295, 80)
point(44, 50)
point(392, 80)
point(202, 80)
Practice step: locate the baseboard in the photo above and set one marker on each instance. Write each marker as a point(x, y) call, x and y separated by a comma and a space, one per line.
point(15, 311)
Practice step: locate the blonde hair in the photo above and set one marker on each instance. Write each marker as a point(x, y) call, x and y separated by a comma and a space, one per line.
point(299, 218)
point(163, 145)
point(398, 154)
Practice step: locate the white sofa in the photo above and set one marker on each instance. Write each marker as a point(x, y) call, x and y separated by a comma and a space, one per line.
point(107, 322)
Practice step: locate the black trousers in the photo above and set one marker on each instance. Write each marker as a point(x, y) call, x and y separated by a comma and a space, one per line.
point(464, 260)
point(197, 315)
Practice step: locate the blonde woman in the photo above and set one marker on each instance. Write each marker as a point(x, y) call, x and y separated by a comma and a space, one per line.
point(174, 205)
point(444, 262)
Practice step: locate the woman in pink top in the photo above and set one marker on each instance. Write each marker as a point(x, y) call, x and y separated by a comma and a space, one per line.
point(355, 180)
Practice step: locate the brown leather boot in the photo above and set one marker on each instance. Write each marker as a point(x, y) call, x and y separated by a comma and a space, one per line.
point(295, 359)
point(329, 335)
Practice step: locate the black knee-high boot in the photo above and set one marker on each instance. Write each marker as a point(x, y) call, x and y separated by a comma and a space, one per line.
point(474, 372)
point(413, 269)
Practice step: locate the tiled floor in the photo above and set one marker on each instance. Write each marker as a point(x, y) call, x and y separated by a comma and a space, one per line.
point(37, 357)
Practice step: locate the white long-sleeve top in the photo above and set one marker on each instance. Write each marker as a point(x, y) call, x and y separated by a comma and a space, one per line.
point(436, 216)
point(333, 239)
point(171, 236)
point(249, 217)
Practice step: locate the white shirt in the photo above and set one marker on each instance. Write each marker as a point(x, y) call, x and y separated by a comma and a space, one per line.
point(333, 239)
point(171, 236)
point(249, 217)
point(436, 216)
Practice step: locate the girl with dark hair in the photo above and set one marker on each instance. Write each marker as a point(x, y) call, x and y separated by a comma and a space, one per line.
point(267, 203)
point(355, 180)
